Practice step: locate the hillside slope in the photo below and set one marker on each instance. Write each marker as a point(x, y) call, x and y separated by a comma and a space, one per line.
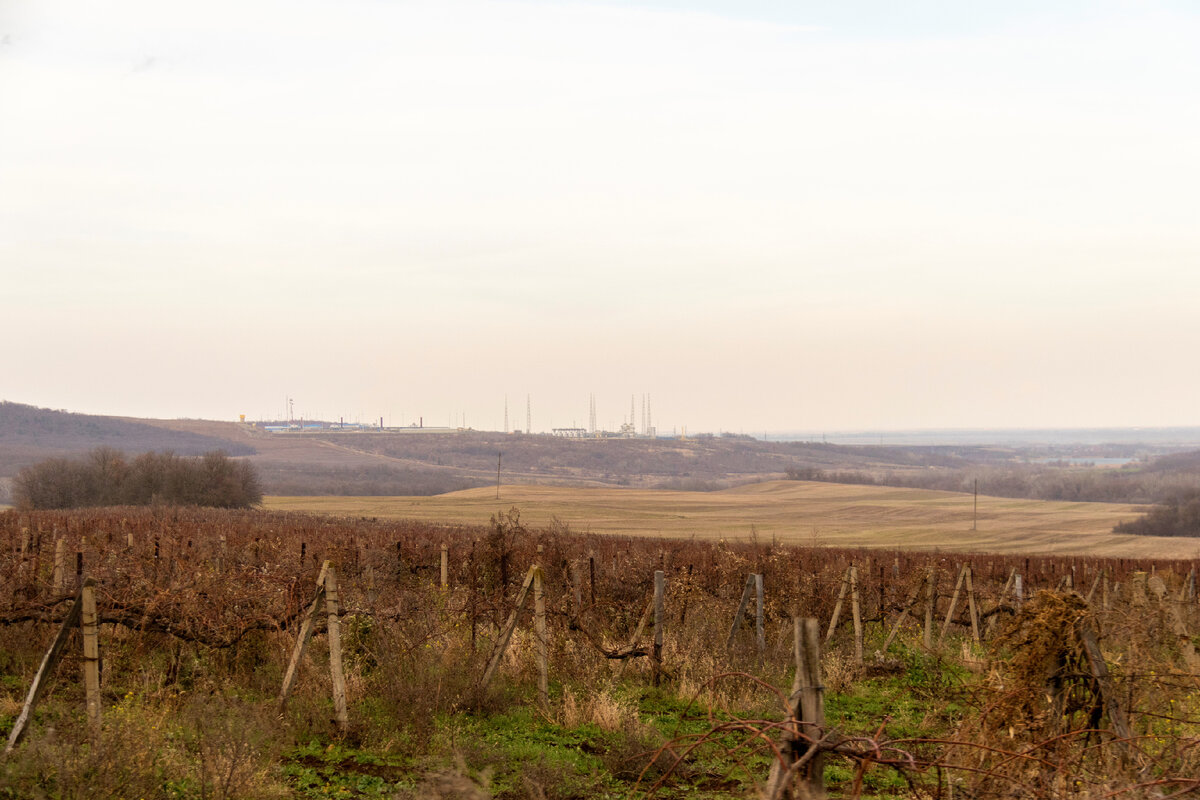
point(29, 434)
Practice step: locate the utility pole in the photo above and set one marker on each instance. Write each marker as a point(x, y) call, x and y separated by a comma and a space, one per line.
point(498, 455)
point(975, 518)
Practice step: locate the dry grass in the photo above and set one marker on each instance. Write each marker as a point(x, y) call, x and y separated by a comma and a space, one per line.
point(792, 511)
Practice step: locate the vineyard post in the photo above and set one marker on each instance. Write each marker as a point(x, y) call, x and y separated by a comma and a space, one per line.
point(760, 635)
point(1092, 592)
point(856, 614)
point(683, 605)
point(912, 599)
point(660, 581)
point(972, 605)
point(741, 611)
point(592, 575)
point(445, 566)
point(930, 600)
point(1176, 610)
point(221, 555)
point(506, 635)
point(335, 647)
point(78, 568)
point(962, 574)
point(306, 629)
point(91, 653)
point(1104, 590)
point(882, 603)
point(539, 627)
point(1099, 670)
point(60, 566)
point(576, 587)
point(49, 660)
point(837, 607)
point(637, 636)
point(812, 705)
point(1019, 590)
point(1008, 584)
point(807, 708)
point(369, 578)
point(23, 551)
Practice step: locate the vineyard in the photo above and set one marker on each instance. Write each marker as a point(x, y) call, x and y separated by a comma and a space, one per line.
point(251, 654)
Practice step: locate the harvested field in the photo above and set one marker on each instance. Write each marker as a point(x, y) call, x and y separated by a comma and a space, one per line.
point(791, 511)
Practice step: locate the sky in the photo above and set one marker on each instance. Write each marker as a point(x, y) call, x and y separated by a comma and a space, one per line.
point(766, 215)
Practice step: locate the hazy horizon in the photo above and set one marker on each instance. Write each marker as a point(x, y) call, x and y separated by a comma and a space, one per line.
point(767, 215)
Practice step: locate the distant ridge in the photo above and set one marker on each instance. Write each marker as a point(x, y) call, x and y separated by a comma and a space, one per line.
point(1180, 436)
point(29, 434)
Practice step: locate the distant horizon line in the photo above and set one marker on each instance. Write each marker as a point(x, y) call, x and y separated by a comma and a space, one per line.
point(793, 434)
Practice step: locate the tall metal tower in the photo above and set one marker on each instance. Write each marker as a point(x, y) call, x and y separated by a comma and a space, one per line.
point(506, 413)
point(643, 414)
point(650, 431)
point(528, 415)
point(592, 414)
point(631, 418)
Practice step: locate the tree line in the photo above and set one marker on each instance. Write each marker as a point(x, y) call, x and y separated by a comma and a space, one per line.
point(106, 477)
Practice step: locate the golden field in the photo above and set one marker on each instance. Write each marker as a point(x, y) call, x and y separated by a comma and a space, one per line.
point(791, 511)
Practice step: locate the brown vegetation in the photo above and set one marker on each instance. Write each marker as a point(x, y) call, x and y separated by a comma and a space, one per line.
point(106, 478)
point(198, 611)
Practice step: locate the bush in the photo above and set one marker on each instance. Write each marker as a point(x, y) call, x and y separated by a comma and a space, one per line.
point(104, 478)
point(1179, 515)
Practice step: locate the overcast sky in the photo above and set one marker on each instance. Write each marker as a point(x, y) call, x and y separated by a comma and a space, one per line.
point(768, 215)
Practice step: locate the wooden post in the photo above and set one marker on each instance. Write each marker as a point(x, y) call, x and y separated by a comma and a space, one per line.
point(506, 635)
point(539, 627)
point(741, 612)
point(962, 575)
point(592, 577)
point(91, 652)
point(760, 634)
point(812, 705)
point(335, 647)
point(306, 629)
point(802, 746)
point(930, 600)
point(60, 566)
point(637, 635)
point(660, 585)
point(445, 566)
point(912, 599)
point(576, 588)
point(856, 613)
point(49, 660)
point(971, 605)
point(1099, 669)
point(837, 607)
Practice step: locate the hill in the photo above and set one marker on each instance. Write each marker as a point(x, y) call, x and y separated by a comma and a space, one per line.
point(29, 434)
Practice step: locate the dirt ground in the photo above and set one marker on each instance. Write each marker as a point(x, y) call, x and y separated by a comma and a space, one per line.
point(792, 511)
